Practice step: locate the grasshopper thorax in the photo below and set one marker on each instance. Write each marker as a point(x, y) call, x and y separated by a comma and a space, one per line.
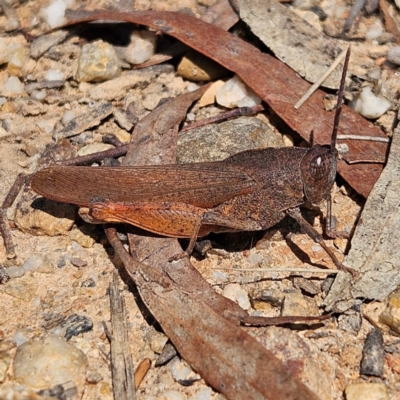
point(318, 172)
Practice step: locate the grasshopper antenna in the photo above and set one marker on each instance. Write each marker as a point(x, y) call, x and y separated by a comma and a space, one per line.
point(340, 100)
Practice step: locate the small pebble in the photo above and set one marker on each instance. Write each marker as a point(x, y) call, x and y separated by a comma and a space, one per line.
point(180, 369)
point(369, 105)
point(9, 46)
point(93, 377)
point(297, 304)
point(157, 341)
point(167, 354)
point(34, 262)
point(88, 283)
point(204, 393)
point(54, 14)
point(182, 373)
point(94, 148)
point(22, 288)
point(76, 246)
point(307, 286)
point(235, 292)
point(141, 47)
point(78, 262)
point(61, 391)
point(208, 97)
point(196, 67)
point(19, 338)
point(231, 290)
point(54, 75)
point(76, 324)
point(351, 320)
point(39, 94)
point(62, 263)
point(68, 116)
point(98, 62)
point(391, 315)
point(18, 62)
point(234, 93)
point(15, 272)
point(274, 297)
point(242, 299)
point(13, 86)
point(367, 391)
point(171, 395)
point(373, 358)
point(254, 259)
point(45, 363)
point(375, 30)
point(394, 55)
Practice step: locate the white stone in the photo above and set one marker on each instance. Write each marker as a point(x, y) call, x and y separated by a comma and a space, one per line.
point(9, 46)
point(205, 393)
point(230, 291)
point(54, 14)
point(34, 262)
point(192, 87)
point(68, 116)
point(375, 30)
point(19, 338)
point(172, 395)
point(94, 148)
point(234, 93)
point(15, 271)
point(54, 75)
point(242, 299)
point(369, 105)
point(254, 258)
point(141, 48)
point(13, 85)
point(39, 94)
point(180, 370)
point(49, 362)
point(394, 55)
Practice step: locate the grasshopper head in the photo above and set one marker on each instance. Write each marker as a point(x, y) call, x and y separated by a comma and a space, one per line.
point(318, 166)
point(318, 172)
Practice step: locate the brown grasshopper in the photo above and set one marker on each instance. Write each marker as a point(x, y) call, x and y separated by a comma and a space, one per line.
point(249, 191)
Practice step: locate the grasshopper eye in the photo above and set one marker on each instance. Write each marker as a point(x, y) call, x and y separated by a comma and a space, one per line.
point(319, 167)
point(318, 171)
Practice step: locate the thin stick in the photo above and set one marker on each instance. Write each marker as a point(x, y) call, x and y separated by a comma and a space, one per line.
point(121, 360)
point(365, 161)
point(368, 138)
point(311, 270)
point(4, 224)
point(317, 84)
point(237, 112)
point(95, 157)
point(340, 100)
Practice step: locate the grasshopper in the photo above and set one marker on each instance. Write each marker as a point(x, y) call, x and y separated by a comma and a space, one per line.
point(249, 191)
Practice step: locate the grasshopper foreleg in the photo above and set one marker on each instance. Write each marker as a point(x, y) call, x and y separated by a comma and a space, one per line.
point(314, 235)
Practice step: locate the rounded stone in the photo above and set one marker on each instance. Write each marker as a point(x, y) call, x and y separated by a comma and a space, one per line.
point(394, 55)
point(98, 62)
point(45, 363)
